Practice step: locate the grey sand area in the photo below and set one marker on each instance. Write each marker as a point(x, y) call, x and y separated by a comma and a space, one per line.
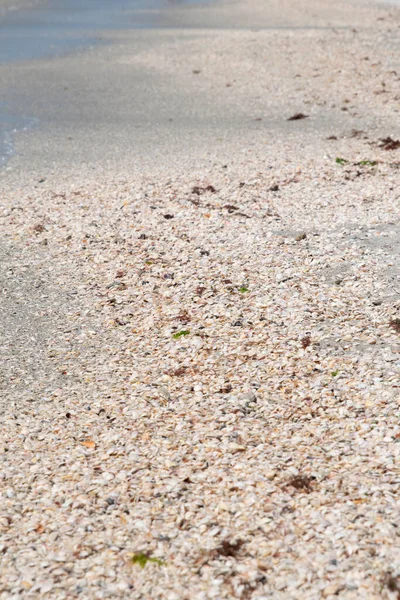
point(199, 309)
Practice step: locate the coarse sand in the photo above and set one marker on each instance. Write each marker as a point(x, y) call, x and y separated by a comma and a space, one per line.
point(199, 338)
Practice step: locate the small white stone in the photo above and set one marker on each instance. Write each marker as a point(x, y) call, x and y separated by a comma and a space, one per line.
point(162, 390)
point(248, 397)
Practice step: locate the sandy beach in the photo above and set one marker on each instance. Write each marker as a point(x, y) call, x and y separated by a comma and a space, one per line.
point(200, 313)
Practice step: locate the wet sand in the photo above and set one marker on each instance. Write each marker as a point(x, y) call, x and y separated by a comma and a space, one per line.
point(199, 320)
point(135, 99)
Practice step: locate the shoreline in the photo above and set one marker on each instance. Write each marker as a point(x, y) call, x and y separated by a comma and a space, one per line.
point(200, 312)
point(149, 122)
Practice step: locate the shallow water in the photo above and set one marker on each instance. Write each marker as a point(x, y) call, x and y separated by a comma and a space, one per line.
point(60, 26)
point(10, 124)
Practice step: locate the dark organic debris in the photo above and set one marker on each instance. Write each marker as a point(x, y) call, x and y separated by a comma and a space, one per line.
point(227, 548)
point(306, 341)
point(302, 483)
point(274, 188)
point(392, 582)
point(355, 133)
point(231, 207)
point(395, 324)
point(298, 117)
point(120, 322)
point(389, 143)
point(226, 389)
point(332, 137)
point(168, 216)
point(39, 228)
point(178, 372)
point(203, 190)
point(184, 317)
